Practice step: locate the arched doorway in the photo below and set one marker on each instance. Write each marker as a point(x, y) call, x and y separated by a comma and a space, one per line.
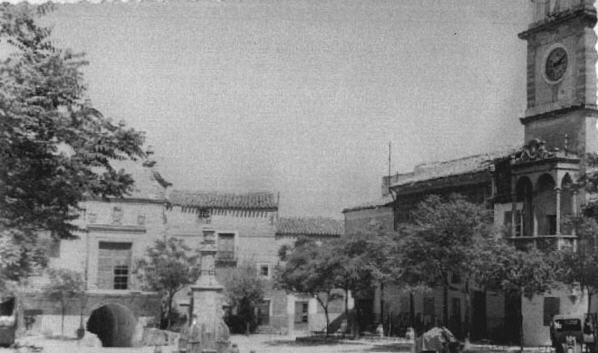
point(114, 324)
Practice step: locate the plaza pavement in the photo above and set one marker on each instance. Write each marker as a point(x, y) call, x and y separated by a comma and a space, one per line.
point(258, 344)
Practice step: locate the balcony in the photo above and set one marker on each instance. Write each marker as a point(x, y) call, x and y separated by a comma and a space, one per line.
point(545, 242)
point(226, 258)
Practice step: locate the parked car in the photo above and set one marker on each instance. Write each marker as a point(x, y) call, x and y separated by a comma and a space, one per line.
point(573, 333)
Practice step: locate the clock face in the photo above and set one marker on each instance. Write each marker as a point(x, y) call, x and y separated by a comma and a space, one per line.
point(556, 64)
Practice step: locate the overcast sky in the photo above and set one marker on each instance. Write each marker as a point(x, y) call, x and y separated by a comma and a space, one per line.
point(303, 97)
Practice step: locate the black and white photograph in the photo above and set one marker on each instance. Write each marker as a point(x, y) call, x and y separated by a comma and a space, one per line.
point(299, 176)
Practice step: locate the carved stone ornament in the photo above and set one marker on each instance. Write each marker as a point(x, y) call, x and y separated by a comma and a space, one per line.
point(534, 150)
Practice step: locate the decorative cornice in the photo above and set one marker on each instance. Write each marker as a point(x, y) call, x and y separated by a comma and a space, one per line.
point(586, 13)
point(553, 114)
point(116, 228)
point(535, 151)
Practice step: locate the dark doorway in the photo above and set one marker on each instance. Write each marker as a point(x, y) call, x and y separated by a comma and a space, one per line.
point(114, 325)
point(478, 318)
point(365, 314)
point(512, 323)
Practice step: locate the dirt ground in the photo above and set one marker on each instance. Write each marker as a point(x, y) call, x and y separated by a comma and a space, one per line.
point(246, 344)
point(257, 344)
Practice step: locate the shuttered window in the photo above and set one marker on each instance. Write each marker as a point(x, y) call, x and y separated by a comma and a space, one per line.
point(114, 262)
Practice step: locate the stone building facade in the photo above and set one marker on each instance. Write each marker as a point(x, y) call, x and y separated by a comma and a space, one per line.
point(115, 233)
point(528, 187)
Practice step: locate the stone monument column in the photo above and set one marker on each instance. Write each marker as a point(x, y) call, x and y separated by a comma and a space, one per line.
point(207, 296)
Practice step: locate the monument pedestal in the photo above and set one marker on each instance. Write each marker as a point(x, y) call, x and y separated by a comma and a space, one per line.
point(207, 299)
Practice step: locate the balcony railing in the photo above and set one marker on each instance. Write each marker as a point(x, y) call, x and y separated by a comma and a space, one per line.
point(226, 256)
point(546, 242)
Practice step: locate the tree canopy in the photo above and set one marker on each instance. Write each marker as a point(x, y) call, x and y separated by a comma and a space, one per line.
point(244, 290)
point(168, 267)
point(55, 147)
point(438, 242)
point(311, 269)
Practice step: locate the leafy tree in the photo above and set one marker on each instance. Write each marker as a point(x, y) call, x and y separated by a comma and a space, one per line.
point(579, 267)
point(168, 267)
point(245, 290)
point(361, 261)
point(55, 147)
point(310, 270)
point(64, 284)
point(525, 273)
point(439, 241)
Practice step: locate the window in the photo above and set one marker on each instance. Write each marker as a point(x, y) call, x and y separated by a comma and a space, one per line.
point(204, 216)
point(552, 306)
point(226, 246)
point(121, 276)
point(114, 260)
point(92, 217)
point(141, 219)
point(301, 312)
point(264, 270)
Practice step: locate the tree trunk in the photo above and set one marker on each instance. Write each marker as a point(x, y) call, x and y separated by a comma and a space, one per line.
point(325, 308)
point(169, 306)
point(521, 333)
point(62, 311)
point(467, 313)
point(445, 289)
point(382, 303)
point(521, 340)
point(412, 309)
point(346, 309)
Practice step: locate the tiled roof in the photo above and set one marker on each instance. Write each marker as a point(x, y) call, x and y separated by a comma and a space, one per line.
point(213, 199)
point(149, 184)
point(465, 165)
point(384, 201)
point(309, 226)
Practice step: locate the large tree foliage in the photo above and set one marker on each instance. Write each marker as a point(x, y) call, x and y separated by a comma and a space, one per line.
point(526, 273)
point(439, 241)
point(64, 284)
point(361, 261)
point(244, 290)
point(168, 267)
point(310, 269)
point(55, 147)
point(579, 266)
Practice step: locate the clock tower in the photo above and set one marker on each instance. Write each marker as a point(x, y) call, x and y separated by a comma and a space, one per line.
point(561, 76)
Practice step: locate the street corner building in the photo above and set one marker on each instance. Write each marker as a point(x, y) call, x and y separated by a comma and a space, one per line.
point(115, 233)
point(526, 187)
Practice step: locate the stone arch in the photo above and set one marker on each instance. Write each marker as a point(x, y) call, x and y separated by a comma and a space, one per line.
point(545, 205)
point(114, 324)
point(524, 194)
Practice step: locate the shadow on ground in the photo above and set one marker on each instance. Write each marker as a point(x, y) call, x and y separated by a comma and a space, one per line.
point(391, 347)
point(293, 343)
